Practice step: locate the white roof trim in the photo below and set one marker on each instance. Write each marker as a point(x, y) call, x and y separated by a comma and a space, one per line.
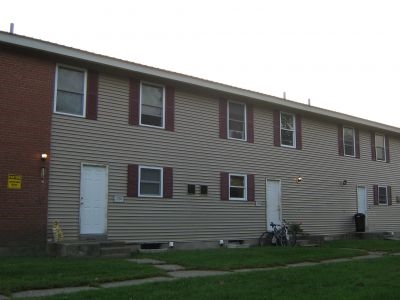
point(26, 42)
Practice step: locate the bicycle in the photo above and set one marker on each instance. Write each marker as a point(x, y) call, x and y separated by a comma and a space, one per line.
point(281, 236)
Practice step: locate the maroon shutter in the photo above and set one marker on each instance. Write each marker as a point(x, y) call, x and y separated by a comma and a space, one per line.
point(250, 187)
point(224, 185)
point(277, 128)
point(223, 118)
point(376, 199)
point(168, 182)
point(373, 149)
point(340, 140)
point(299, 142)
point(134, 101)
point(389, 195)
point(250, 123)
point(357, 139)
point(92, 94)
point(132, 181)
point(169, 108)
point(387, 148)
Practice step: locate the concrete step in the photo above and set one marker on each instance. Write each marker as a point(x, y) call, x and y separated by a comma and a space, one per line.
point(237, 246)
point(115, 251)
point(105, 244)
point(306, 243)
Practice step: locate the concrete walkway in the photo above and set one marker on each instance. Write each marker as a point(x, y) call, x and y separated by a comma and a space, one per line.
point(175, 272)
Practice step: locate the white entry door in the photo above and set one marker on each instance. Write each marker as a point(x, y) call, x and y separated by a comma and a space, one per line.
point(94, 190)
point(362, 199)
point(274, 211)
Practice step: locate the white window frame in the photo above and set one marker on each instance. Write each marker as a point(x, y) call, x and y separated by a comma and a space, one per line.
point(245, 187)
point(384, 147)
point(161, 182)
point(56, 90)
point(354, 141)
point(294, 129)
point(163, 104)
point(245, 121)
point(387, 196)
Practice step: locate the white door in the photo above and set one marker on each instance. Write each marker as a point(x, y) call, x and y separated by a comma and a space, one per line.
point(94, 190)
point(274, 212)
point(362, 199)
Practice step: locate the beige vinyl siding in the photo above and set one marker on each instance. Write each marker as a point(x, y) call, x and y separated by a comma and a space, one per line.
point(197, 156)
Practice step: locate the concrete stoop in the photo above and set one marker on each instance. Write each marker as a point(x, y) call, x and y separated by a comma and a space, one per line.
point(89, 248)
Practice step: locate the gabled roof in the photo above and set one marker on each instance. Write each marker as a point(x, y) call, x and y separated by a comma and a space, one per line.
point(73, 53)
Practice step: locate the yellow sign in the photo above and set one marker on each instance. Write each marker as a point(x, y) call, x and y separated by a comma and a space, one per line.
point(14, 182)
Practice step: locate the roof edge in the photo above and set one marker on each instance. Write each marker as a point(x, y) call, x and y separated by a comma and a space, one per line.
point(48, 47)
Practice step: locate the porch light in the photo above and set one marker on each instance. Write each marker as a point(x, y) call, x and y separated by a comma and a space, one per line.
point(299, 179)
point(43, 158)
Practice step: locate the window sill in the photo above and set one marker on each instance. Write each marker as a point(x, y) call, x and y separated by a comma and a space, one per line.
point(152, 126)
point(70, 115)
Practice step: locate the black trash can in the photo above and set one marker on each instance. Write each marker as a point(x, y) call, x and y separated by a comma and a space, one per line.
point(360, 222)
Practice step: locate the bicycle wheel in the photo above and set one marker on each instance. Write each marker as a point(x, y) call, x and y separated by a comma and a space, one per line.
point(266, 238)
point(292, 238)
point(283, 241)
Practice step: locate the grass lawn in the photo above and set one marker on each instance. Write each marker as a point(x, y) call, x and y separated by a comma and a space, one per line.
point(369, 245)
point(231, 259)
point(364, 280)
point(23, 273)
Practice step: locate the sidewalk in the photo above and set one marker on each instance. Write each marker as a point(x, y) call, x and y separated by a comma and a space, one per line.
point(175, 272)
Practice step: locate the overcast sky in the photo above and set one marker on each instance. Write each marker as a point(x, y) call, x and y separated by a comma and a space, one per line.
point(342, 54)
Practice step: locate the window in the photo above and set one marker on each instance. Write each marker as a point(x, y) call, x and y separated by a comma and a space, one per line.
point(70, 91)
point(288, 130)
point(348, 141)
point(380, 147)
point(382, 195)
point(237, 121)
point(152, 99)
point(237, 187)
point(150, 181)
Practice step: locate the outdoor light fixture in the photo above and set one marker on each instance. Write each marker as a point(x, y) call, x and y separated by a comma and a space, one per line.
point(171, 244)
point(344, 182)
point(43, 158)
point(299, 179)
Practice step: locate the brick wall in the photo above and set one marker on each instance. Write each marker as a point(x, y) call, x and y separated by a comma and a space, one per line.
point(26, 96)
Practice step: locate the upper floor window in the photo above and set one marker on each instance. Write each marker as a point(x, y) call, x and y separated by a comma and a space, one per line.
point(237, 121)
point(70, 91)
point(349, 141)
point(150, 181)
point(152, 102)
point(288, 130)
point(380, 147)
